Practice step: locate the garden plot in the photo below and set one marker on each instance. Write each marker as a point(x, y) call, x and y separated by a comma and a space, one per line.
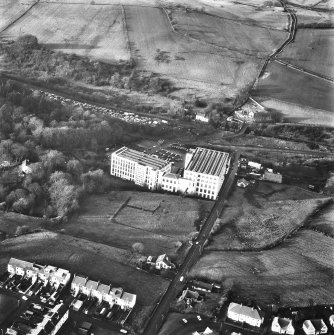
point(87, 30)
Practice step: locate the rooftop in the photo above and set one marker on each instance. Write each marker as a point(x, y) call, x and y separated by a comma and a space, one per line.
point(141, 158)
point(208, 161)
point(244, 310)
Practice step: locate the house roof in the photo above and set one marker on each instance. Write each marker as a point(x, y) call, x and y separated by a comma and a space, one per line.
point(318, 324)
point(201, 284)
point(283, 322)
point(117, 291)
point(308, 324)
point(129, 298)
point(92, 285)
point(19, 263)
point(190, 294)
point(103, 288)
point(207, 161)
point(331, 318)
point(244, 310)
point(171, 175)
point(79, 280)
point(163, 258)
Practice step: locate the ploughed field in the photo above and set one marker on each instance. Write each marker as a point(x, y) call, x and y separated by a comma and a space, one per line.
point(312, 50)
point(294, 87)
point(112, 31)
point(87, 30)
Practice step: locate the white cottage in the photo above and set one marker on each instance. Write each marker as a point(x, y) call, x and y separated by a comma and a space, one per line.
point(314, 327)
point(245, 314)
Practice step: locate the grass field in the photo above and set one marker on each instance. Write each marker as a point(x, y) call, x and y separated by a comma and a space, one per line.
point(231, 34)
point(156, 220)
point(312, 50)
point(297, 273)
point(299, 113)
point(262, 216)
point(9, 222)
point(10, 10)
point(295, 87)
point(324, 222)
point(87, 30)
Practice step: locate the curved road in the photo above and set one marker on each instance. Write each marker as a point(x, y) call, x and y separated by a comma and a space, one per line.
point(160, 313)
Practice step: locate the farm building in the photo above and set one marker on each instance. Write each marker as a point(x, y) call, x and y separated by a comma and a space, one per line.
point(189, 297)
point(201, 286)
point(273, 177)
point(282, 326)
point(254, 166)
point(243, 183)
point(207, 331)
point(207, 169)
point(331, 320)
point(314, 327)
point(143, 169)
point(202, 117)
point(160, 262)
point(245, 314)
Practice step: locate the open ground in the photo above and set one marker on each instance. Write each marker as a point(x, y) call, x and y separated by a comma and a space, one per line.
point(263, 215)
point(87, 30)
point(295, 87)
point(122, 218)
point(292, 266)
point(312, 50)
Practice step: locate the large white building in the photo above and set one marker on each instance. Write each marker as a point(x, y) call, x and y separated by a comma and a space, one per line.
point(206, 168)
point(204, 172)
point(144, 170)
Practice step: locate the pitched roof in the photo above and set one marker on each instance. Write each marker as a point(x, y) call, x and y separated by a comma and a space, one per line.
point(244, 310)
point(283, 322)
point(79, 280)
point(207, 161)
point(318, 324)
point(141, 158)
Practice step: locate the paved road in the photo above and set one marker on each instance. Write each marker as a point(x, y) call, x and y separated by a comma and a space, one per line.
point(159, 314)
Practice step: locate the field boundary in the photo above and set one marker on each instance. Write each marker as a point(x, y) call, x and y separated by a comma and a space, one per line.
point(265, 97)
point(20, 17)
point(125, 27)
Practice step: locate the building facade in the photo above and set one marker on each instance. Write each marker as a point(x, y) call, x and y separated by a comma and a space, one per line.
point(206, 168)
point(145, 170)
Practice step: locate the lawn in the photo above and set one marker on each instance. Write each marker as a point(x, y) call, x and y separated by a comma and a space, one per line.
point(299, 272)
point(123, 218)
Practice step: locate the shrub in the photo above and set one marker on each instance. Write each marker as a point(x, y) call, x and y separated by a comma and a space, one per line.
point(138, 247)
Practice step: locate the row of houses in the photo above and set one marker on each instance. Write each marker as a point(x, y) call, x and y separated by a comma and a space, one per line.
point(203, 175)
point(46, 273)
point(255, 318)
point(102, 292)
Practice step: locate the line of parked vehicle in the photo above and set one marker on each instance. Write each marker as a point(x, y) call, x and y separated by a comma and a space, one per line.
point(125, 116)
point(99, 309)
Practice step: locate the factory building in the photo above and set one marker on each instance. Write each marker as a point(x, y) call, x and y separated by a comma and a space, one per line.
point(207, 169)
point(145, 170)
point(204, 172)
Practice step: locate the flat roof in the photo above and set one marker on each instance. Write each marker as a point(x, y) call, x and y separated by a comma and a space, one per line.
point(207, 161)
point(141, 158)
